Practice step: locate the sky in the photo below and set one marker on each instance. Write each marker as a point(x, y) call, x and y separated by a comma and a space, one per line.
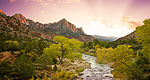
point(96, 17)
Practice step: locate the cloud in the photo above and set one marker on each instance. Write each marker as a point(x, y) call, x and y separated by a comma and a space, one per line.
point(132, 24)
point(11, 1)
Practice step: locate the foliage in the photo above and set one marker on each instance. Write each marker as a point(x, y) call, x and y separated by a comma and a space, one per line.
point(146, 51)
point(64, 47)
point(91, 45)
point(123, 63)
point(11, 45)
point(33, 45)
point(45, 60)
point(6, 69)
point(143, 36)
point(143, 32)
point(24, 67)
point(62, 75)
point(104, 54)
point(80, 70)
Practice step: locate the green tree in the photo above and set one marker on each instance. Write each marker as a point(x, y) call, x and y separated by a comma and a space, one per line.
point(143, 32)
point(24, 67)
point(11, 45)
point(45, 60)
point(144, 37)
point(124, 64)
point(104, 54)
point(63, 48)
point(6, 69)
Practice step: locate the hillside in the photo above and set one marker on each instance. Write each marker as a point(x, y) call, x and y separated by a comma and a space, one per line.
point(20, 26)
point(129, 36)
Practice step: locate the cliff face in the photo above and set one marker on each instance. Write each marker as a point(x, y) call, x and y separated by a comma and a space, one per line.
point(65, 28)
point(17, 26)
point(21, 26)
point(21, 18)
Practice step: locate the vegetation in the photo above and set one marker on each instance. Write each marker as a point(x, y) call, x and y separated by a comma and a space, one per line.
point(6, 70)
point(129, 61)
point(35, 55)
point(24, 67)
point(62, 75)
point(36, 58)
point(64, 48)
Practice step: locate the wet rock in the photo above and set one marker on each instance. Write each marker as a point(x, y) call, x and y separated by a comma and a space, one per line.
point(97, 71)
point(80, 73)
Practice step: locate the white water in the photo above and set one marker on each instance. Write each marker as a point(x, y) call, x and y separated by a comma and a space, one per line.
point(97, 71)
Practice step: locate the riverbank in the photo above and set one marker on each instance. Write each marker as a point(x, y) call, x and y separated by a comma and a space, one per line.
point(97, 71)
point(75, 67)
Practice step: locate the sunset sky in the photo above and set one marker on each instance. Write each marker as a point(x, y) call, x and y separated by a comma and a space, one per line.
point(96, 17)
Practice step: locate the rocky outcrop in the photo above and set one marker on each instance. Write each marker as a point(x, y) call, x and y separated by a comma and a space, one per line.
point(65, 28)
point(21, 18)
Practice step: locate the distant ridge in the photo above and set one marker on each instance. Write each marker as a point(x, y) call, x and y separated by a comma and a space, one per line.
point(105, 38)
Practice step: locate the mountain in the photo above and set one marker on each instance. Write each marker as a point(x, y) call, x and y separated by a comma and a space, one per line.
point(1, 12)
point(11, 26)
point(129, 36)
point(20, 26)
point(105, 38)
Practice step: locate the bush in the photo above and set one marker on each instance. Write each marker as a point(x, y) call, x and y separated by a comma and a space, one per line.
point(5, 70)
point(24, 67)
point(62, 75)
point(11, 45)
point(45, 60)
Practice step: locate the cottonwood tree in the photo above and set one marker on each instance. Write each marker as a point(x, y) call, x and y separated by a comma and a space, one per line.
point(64, 47)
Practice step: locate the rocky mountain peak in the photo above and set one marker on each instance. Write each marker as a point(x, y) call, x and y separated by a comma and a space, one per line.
point(69, 26)
point(63, 20)
point(1, 12)
point(21, 18)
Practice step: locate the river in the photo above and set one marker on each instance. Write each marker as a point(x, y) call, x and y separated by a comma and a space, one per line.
point(97, 71)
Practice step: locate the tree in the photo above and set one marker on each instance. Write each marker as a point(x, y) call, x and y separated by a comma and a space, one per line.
point(34, 45)
point(143, 32)
point(24, 67)
point(104, 54)
point(124, 64)
point(63, 47)
point(45, 60)
point(144, 37)
point(11, 45)
point(6, 70)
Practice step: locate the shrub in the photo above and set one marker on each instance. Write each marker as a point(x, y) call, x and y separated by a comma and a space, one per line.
point(62, 75)
point(24, 67)
point(5, 70)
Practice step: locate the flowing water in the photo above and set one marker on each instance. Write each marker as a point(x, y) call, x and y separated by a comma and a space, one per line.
point(97, 71)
